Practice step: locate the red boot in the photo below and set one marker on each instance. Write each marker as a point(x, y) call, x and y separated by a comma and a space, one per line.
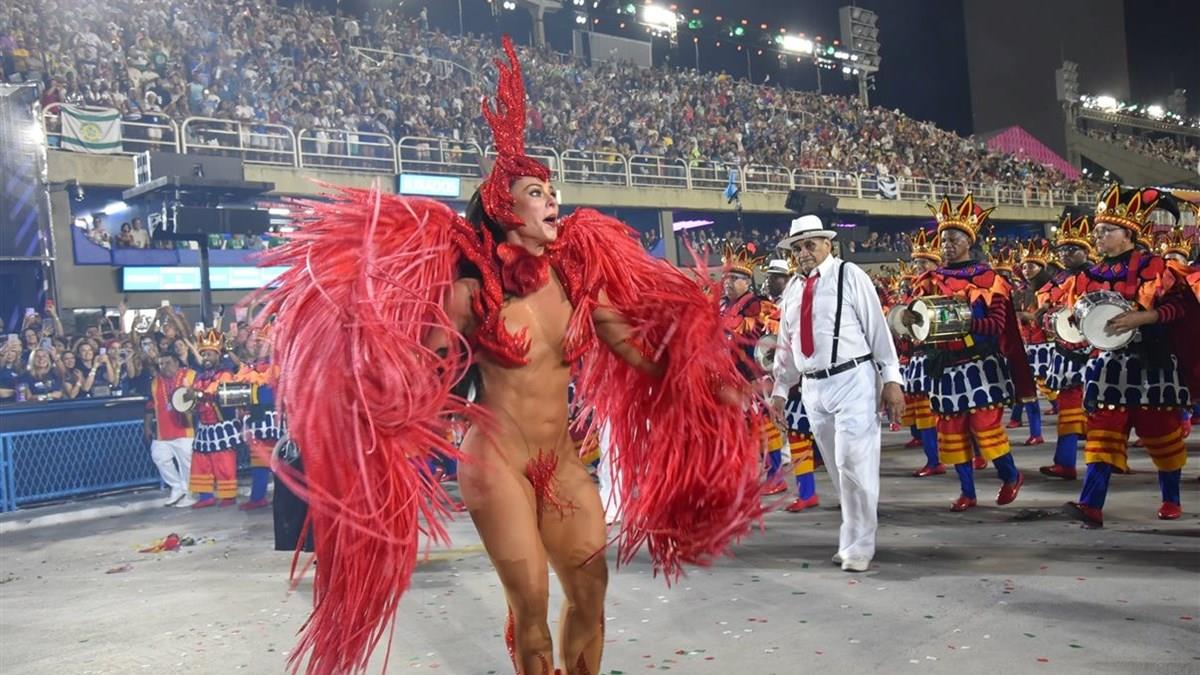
point(962, 504)
point(893, 427)
point(1008, 491)
point(802, 504)
point(913, 443)
point(1092, 517)
point(1035, 440)
point(1170, 511)
point(1059, 471)
point(980, 462)
point(1013, 424)
point(205, 503)
point(227, 502)
point(935, 470)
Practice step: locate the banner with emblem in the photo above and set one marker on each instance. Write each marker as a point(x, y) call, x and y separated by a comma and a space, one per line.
point(95, 130)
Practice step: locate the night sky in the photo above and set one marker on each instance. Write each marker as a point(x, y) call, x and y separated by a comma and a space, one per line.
point(924, 70)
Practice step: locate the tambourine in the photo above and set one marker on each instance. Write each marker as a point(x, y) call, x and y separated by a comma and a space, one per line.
point(183, 400)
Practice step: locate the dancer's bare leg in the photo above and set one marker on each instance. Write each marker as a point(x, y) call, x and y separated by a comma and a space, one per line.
point(502, 505)
point(574, 540)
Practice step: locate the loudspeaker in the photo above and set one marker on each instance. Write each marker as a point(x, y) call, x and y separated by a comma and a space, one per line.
point(151, 165)
point(810, 202)
point(191, 220)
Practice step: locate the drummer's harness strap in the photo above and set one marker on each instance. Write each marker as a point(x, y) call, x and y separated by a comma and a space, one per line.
point(835, 367)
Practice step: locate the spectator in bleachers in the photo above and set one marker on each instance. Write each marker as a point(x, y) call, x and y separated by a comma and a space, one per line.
point(98, 371)
point(65, 365)
point(294, 66)
point(10, 370)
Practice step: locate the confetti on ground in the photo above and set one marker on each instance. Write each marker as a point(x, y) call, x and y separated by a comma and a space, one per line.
point(1029, 635)
point(1042, 659)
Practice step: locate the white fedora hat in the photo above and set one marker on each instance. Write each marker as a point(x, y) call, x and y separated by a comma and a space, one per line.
point(806, 227)
point(778, 266)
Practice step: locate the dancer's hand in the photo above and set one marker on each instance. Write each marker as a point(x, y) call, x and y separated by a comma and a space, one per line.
point(778, 403)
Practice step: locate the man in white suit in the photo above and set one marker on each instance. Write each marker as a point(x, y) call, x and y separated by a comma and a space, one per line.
point(834, 340)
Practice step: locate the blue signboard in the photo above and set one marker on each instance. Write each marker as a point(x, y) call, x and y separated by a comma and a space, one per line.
point(188, 278)
point(427, 185)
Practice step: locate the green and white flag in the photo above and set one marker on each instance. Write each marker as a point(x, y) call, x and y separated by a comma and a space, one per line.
point(96, 130)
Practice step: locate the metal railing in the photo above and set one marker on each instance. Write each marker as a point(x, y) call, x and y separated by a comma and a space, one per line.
point(150, 132)
point(252, 142)
point(599, 168)
point(439, 156)
point(348, 150)
point(655, 171)
point(374, 152)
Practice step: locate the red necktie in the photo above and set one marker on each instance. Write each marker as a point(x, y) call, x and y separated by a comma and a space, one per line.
point(806, 321)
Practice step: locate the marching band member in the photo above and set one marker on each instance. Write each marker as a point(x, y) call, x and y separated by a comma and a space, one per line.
point(746, 316)
point(261, 422)
point(1008, 265)
point(801, 448)
point(975, 375)
point(1073, 247)
point(918, 414)
point(1141, 385)
point(1034, 262)
point(218, 430)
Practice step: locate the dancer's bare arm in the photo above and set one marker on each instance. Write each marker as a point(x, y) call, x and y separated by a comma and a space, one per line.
point(458, 308)
point(615, 331)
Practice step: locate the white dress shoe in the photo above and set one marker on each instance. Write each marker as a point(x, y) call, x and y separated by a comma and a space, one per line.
point(174, 497)
point(837, 558)
point(856, 565)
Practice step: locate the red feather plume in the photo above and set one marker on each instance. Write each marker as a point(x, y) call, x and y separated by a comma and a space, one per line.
point(367, 402)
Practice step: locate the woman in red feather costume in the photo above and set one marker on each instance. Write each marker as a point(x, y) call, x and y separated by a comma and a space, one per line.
point(389, 301)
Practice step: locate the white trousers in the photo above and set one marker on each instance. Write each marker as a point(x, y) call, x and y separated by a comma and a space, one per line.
point(610, 495)
point(843, 412)
point(174, 461)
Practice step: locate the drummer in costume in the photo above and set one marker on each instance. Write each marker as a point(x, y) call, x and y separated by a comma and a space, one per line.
point(1007, 264)
point(917, 411)
point(261, 421)
point(1177, 248)
point(1034, 262)
point(1073, 247)
point(971, 373)
point(744, 317)
point(218, 430)
point(801, 447)
point(1143, 383)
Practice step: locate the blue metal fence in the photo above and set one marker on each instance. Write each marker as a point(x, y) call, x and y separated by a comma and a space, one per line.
point(47, 464)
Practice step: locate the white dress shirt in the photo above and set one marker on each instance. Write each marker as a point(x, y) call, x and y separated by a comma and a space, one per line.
point(864, 330)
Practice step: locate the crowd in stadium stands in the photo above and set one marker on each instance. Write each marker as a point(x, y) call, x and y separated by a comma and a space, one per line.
point(42, 362)
point(1178, 150)
point(264, 64)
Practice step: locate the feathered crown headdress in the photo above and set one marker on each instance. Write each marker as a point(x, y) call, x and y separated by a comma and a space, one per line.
point(739, 260)
point(1077, 232)
point(507, 121)
point(1133, 214)
point(1036, 251)
point(212, 340)
point(924, 246)
point(1176, 241)
point(905, 270)
point(967, 218)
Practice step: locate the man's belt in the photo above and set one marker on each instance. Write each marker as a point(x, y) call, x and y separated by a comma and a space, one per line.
point(839, 368)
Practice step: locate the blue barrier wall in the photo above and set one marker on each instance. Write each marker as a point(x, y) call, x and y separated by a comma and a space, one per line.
point(61, 450)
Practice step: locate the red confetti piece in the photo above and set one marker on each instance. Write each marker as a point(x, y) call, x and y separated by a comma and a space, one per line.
point(820, 653)
point(1080, 578)
point(709, 658)
point(1186, 618)
point(1042, 659)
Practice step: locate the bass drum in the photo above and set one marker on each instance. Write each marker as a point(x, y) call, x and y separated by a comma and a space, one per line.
point(183, 400)
point(1093, 312)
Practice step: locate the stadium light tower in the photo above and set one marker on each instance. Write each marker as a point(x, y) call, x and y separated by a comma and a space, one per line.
point(537, 8)
point(860, 35)
point(661, 21)
point(1066, 81)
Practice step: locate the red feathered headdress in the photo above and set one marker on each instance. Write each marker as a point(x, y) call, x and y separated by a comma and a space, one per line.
point(507, 120)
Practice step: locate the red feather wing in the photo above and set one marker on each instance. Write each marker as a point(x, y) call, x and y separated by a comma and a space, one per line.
point(367, 402)
point(688, 463)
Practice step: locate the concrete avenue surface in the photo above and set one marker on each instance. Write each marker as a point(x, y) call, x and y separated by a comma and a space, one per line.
point(1014, 589)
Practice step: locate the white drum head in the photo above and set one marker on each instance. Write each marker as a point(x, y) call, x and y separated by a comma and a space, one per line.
point(895, 320)
point(921, 331)
point(1066, 330)
point(1092, 326)
point(180, 401)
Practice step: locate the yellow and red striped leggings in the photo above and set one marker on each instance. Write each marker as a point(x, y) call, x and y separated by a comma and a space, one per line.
point(955, 432)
